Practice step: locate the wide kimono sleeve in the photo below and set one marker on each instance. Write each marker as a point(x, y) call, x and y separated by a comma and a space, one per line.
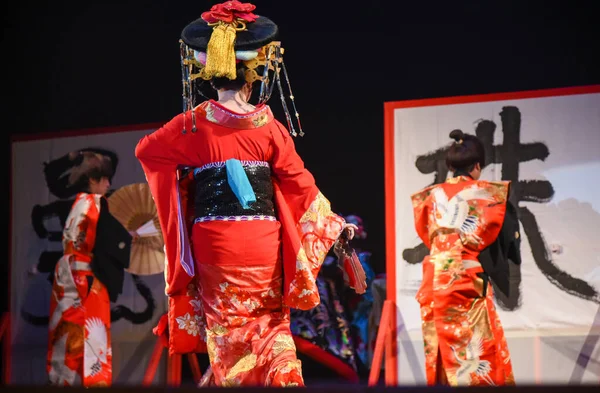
point(310, 228)
point(490, 214)
point(495, 258)
point(422, 208)
point(162, 154)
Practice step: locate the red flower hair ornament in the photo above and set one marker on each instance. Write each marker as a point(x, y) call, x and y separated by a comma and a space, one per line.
point(230, 12)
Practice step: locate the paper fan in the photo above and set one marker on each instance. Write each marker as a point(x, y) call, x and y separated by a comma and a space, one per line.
point(134, 208)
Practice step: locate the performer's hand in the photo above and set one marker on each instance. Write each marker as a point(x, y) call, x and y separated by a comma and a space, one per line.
point(349, 231)
point(347, 234)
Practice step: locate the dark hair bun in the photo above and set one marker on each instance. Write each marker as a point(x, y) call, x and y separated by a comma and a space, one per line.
point(457, 135)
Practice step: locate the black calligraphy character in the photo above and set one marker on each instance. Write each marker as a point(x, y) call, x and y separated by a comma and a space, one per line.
point(510, 154)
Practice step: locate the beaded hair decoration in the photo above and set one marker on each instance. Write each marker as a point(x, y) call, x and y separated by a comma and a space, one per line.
point(264, 64)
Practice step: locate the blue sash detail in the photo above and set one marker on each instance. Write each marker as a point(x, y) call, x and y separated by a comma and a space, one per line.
point(239, 183)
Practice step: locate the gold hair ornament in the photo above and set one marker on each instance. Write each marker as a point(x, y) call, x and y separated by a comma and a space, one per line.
point(269, 57)
point(220, 51)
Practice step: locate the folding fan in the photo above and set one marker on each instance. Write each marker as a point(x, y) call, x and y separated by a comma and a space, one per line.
point(134, 208)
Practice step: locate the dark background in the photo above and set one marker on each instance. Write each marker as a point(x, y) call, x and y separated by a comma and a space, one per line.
point(74, 65)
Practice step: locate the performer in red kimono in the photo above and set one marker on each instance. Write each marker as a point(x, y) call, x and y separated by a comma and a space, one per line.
point(457, 220)
point(87, 278)
point(245, 227)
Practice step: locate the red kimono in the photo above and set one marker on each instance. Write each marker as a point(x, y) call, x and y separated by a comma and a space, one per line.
point(231, 280)
point(79, 350)
point(464, 340)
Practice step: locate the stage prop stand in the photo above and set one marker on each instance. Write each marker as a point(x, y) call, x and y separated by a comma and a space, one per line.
point(174, 363)
point(385, 344)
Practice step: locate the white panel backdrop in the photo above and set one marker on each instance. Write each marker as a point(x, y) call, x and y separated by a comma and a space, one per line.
point(554, 154)
point(132, 332)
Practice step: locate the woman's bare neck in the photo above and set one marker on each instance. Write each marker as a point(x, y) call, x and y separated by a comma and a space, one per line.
point(234, 101)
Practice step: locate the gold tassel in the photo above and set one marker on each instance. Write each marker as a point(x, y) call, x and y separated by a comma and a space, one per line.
point(220, 53)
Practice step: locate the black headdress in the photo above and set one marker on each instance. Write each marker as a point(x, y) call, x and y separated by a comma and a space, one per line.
point(227, 34)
